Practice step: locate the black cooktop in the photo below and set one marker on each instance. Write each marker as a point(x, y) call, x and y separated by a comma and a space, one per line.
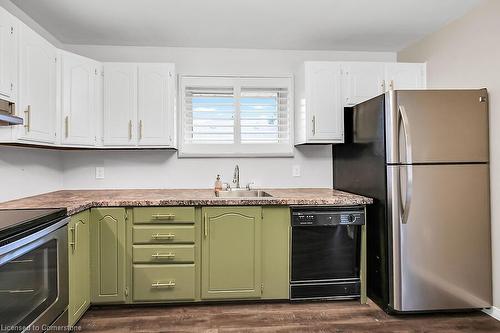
point(16, 223)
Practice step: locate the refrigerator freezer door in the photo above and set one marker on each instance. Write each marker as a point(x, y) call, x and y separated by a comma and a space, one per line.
point(442, 252)
point(437, 126)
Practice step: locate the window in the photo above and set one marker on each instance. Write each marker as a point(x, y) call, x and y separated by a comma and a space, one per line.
point(236, 116)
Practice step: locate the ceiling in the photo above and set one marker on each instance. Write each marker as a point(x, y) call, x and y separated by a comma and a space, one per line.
point(350, 25)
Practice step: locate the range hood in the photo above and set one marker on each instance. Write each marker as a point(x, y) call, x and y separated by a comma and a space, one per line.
point(7, 111)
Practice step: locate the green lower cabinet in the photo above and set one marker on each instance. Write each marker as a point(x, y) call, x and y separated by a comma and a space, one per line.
point(166, 234)
point(224, 253)
point(108, 255)
point(163, 282)
point(79, 265)
point(231, 253)
point(275, 252)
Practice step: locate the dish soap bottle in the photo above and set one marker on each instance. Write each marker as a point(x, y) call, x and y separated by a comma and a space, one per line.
point(218, 185)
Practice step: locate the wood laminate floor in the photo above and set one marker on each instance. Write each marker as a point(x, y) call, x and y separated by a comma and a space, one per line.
point(345, 316)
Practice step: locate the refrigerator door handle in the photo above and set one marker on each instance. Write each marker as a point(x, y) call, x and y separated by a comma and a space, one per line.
point(405, 209)
point(406, 129)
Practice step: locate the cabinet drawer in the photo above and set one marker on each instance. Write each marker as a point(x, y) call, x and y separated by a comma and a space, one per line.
point(159, 215)
point(165, 234)
point(164, 282)
point(163, 254)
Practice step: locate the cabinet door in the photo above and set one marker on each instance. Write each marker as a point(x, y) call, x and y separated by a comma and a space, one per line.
point(107, 255)
point(324, 110)
point(78, 99)
point(156, 104)
point(120, 104)
point(405, 76)
point(79, 265)
point(231, 252)
point(38, 87)
point(8, 55)
point(275, 252)
point(361, 81)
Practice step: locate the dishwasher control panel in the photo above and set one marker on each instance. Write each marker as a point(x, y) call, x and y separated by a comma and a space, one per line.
point(328, 217)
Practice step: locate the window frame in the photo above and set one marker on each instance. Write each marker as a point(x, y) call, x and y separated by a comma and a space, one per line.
point(236, 149)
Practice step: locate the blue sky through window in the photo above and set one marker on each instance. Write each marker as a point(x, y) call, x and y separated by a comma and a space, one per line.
point(214, 117)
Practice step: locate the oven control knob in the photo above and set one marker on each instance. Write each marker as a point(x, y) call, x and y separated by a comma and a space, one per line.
point(351, 218)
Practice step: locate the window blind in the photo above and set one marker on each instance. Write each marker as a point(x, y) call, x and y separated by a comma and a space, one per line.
point(264, 115)
point(236, 115)
point(209, 115)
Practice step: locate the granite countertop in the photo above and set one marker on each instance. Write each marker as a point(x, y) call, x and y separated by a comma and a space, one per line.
point(78, 200)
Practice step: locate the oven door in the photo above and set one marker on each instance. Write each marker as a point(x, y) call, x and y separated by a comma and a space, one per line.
point(34, 279)
point(325, 253)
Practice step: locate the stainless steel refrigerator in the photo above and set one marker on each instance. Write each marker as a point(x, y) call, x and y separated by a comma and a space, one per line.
point(423, 157)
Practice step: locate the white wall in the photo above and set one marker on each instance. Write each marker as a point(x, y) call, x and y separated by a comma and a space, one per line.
point(466, 54)
point(27, 171)
point(153, 169)
point(162, 169)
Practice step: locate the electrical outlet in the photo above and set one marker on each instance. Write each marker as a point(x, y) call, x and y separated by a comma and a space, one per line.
point(99, 173)
point(296, 170)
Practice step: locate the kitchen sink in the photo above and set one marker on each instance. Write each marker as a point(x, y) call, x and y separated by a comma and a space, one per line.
point(243, 194)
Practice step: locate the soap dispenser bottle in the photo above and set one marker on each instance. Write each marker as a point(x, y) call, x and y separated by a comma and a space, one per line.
point(217, 185)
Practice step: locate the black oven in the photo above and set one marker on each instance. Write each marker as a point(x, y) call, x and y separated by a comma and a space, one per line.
point(33, 270)
point(326, 250)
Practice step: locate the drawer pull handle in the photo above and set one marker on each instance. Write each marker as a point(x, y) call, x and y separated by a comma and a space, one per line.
point(163, 255)
point(163, 236)
point(169, 284)
point(163, 216)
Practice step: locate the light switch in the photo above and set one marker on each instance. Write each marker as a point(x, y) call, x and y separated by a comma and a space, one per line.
point(99, 173)
point(296, 171)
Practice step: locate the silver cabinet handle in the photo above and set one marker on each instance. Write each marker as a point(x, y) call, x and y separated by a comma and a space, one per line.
point(205, 225)
point(163, 216)
point(27, 118)
point(72, 243)
point(130, 129)
point(169, 255)
point(158, 284)
point(382, 85)
point(314, 125)
point(391, 85)
point(163, 236)
point(66, 126)
point(408, 160)
point(140, 129)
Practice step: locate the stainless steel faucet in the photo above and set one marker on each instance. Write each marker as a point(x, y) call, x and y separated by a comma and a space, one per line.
point(236, 176)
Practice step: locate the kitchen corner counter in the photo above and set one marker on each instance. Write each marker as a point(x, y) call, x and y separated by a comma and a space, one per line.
point(78, 200)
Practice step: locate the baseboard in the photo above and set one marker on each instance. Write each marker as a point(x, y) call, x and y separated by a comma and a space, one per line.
point(494, 312)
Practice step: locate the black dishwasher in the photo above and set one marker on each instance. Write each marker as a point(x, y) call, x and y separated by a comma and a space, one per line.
point(326, 250)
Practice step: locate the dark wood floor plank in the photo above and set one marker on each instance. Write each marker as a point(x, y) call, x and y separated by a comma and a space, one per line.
point(321, 317)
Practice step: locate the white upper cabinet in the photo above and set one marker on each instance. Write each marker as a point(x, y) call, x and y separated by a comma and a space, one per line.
point(405, 76)
point(139, 105)
point(365, 80)
point(323, 89)
point(8, 55)
point(362, 81)
point(156, 112)
point(120, 104)
point(37, 102)
point(79, 99)
point(319, 118)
